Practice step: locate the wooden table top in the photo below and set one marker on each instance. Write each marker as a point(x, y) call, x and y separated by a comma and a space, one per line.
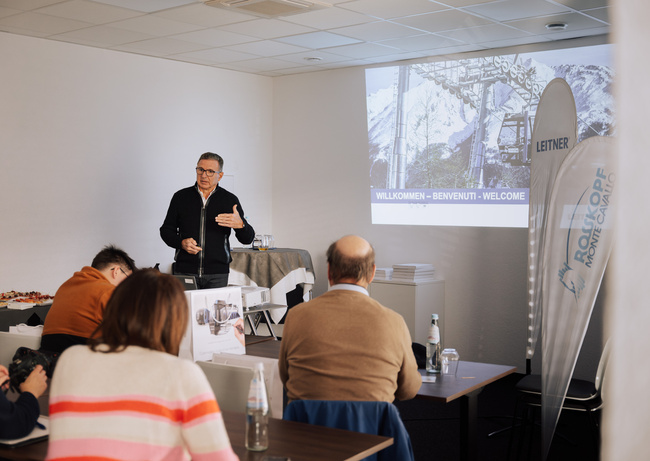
point(269, 349)
point(469, 377)
point(297, 441)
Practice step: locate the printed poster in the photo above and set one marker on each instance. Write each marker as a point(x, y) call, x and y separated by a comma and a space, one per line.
point(216, 323)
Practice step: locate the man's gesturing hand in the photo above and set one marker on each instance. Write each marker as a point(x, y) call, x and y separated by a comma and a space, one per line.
point(232, 220)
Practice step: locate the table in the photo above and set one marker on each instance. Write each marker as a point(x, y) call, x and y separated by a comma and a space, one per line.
point(269, 349)
point(280, 270)
point(298, 441)
point(470, 380)
point(11, 317)
point(264, 309)
point(468, 383)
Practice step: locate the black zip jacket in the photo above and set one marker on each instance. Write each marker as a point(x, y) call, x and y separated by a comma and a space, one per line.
point(187, 217)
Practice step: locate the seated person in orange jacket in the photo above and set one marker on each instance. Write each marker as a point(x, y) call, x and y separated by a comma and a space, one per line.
point(78, 306)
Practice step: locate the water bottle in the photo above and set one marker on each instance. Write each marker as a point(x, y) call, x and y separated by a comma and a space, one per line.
point(257, 413)
point(434, 346)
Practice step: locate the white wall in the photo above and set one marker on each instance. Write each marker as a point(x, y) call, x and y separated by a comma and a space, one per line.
point(94, 143)
point(322, 191)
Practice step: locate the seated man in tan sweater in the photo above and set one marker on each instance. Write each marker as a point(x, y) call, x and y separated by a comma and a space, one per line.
point(344, 345)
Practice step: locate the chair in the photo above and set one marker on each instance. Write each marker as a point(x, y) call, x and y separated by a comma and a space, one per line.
point(230, 384)
point(9, 342)
point(272, 379)
point(377, 418)
point(582, 395)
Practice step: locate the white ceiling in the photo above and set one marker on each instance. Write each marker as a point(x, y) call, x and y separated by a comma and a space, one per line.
point(347, 33)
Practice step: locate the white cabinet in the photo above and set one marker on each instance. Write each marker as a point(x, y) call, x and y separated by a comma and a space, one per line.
point(415, 302)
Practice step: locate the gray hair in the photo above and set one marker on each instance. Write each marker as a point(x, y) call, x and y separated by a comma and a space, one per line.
point(211, 156)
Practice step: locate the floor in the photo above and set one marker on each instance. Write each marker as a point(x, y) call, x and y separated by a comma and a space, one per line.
point(434, 429)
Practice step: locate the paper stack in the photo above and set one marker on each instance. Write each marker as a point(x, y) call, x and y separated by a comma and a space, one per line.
point(384, 273)
point(413, 272)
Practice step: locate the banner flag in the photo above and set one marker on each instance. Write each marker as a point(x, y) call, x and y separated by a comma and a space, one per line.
point(554, 135)
point(577, 244)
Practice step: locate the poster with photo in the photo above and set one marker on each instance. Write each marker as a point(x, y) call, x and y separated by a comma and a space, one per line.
point(216, 323)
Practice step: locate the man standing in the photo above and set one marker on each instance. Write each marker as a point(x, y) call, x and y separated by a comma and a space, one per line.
point(78, 306)
point(344, 345)
point(198, 224)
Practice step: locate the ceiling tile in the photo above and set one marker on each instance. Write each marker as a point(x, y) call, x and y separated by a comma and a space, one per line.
point(583, 4)
point(316, 40)
point(463, 3)
point(265, 64)
point(388, 9)
point(267, 28)
point(483, 34)
point(575, 21)
point(363, 50)
point(160, 46)
point(4, 11)
point(102, 36)
point(375, 31)
point(42, 24)
point(443, 20)
point(508, 10)
point(599, 13)
point(329, 18)
point(577, 33)
point(154, 25)
point(421, 42)
point(27, 5)
point(325, 57)
point(218, 55)
point(266, 48)
point(214, 37)
point(92, 12)
point(147, 6)
point(202, 15)
point(517, 41)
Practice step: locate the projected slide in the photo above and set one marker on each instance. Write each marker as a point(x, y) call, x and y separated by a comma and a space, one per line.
point(449, 141)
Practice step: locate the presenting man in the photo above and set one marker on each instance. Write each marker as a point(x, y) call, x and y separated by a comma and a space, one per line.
point(344, 345)
point(198, 224)
point(78, 306)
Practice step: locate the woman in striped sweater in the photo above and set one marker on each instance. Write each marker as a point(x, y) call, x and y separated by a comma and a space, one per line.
point(127, 396)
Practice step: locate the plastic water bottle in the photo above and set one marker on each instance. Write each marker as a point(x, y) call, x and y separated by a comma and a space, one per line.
point(257, 413)
point(434, 346)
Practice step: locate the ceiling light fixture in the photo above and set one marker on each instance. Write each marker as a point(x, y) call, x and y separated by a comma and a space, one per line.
point(555, 26)
point(269, 8)
point(313, 58)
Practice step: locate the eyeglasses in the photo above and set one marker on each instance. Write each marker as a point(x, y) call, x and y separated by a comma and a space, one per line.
point(210, 173)
point(122, 270)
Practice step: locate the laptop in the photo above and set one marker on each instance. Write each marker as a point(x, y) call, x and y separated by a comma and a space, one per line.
point(188, 281)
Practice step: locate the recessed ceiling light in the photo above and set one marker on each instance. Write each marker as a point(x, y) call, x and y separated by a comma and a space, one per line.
point(313, 58)
point(556, 26)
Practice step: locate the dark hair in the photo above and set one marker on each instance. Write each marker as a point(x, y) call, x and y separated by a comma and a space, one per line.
point(343, 266)
point(212, 156)
point(148, 309)
point(110, 254)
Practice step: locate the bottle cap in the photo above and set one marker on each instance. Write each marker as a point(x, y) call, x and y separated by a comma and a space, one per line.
point(434, 316)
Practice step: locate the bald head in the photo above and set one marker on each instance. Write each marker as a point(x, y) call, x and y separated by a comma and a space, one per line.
point(351, 259)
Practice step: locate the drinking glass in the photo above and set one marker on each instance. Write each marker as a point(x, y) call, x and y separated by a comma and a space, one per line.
point(449, 361)
point(265, 243)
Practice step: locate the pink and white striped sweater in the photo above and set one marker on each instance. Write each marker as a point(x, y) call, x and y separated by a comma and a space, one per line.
point(137, 404)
